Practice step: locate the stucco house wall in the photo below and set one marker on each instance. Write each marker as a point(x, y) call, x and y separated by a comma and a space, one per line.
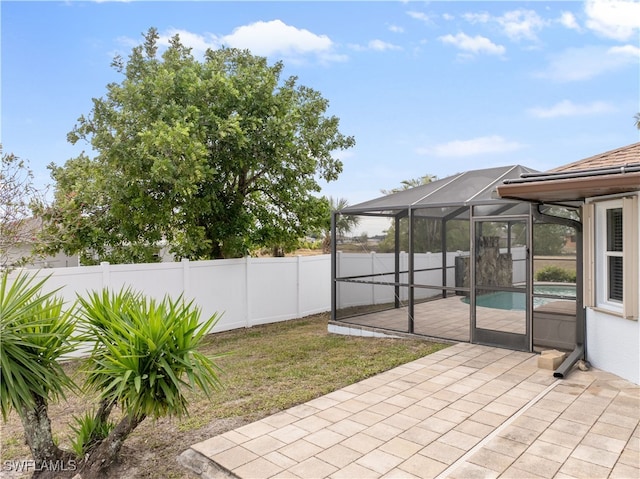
point(613, 342)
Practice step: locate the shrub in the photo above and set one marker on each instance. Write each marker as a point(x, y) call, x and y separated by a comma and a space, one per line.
point(144, 360)
point(556, 274)
point(35, 333)
point(90, 430)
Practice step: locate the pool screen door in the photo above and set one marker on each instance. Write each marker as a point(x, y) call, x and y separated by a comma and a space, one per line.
point(500, 297)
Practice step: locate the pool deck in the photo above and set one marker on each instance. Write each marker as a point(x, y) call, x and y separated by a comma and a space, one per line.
point(467, 411)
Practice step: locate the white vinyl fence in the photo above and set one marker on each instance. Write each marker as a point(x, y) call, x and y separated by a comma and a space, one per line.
point(252, 291)
point(428, 272)
point(246, 291)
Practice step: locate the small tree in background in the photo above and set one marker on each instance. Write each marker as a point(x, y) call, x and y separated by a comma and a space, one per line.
point(344, 223)
point(412, 183)
point(17, 229)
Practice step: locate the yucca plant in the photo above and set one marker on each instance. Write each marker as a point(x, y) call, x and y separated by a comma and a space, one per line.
point(144, 359)
point(89, 430)
point(35, 333)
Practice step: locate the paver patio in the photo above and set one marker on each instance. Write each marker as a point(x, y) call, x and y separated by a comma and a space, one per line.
point(467, 411)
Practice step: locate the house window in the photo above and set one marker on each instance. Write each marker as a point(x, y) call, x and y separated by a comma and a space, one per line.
point(612, 251)
point(613, 255)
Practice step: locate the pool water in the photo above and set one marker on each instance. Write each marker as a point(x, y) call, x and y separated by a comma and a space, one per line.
point(516, 301)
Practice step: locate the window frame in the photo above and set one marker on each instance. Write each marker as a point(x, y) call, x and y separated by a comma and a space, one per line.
point(595, 260)
point(603, 255)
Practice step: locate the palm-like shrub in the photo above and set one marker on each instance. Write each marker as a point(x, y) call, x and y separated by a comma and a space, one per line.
point(144, 359)
point(34, 333)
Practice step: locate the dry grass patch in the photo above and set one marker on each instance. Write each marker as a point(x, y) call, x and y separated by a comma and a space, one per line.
point(266, 369)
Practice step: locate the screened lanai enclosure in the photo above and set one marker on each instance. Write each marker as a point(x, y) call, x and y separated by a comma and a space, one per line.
point(451, 260)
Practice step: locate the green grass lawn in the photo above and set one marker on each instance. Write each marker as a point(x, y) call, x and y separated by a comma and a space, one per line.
point(270, 368)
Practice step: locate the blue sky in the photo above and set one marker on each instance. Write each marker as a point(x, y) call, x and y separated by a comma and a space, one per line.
point(424, 87)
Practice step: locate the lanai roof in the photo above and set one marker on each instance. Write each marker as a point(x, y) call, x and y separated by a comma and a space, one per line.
point(475, 187)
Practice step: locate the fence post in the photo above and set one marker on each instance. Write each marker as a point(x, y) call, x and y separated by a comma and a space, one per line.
point(336, 284)
point(373, 271)
point(298, 288)
point(186, 278)
point(106, 274)
point(247, 290)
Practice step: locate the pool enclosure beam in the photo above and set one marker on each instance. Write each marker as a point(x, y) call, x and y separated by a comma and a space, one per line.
point(443, 244)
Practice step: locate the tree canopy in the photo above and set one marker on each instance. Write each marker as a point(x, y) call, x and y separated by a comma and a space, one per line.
point(215, 157)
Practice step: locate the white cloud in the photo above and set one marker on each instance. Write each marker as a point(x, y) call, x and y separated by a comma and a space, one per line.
point(568, 20)
point(616, 19)
point(521, 24)
point(483, 17)
point(448, 16)
point(375, 45)
point(396, 29)
point(477, 44)
point(568, 108)
point(423, 17)
point(629, 51)
point(382, 46)
point(277, 38)
point(475, 146)
point(578, 64)
point(262, 38)
point(198, 43)
point(516, 24)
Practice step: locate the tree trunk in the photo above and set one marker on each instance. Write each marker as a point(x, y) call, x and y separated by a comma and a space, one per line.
point(107, 451)
point(103, 412)
point(326, 243)
point(101, 416)
point(37, 429)
point(48, 457)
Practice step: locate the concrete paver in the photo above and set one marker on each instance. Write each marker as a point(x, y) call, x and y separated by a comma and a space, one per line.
point(466, 411)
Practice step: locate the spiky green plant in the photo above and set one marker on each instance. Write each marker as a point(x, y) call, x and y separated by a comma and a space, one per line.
point(145, 351)
point(144, 360)
point(89, 430)
point(35, 332)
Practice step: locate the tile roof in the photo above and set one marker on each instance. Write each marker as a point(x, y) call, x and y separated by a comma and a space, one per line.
point(625, 155)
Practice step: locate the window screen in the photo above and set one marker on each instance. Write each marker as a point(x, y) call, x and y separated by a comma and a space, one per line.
point(614, 245)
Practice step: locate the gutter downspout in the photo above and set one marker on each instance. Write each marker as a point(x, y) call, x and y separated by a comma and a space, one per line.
point(579, 350)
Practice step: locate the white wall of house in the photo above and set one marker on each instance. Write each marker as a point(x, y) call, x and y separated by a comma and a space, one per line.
point(59, 260)
point(613, 344)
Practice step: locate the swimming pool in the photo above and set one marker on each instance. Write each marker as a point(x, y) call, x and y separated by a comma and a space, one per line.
point(516, 301)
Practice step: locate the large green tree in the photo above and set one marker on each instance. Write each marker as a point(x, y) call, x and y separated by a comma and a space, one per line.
point(215, 157)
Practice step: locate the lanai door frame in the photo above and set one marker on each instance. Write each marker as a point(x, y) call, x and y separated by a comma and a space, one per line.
point(495, 337)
